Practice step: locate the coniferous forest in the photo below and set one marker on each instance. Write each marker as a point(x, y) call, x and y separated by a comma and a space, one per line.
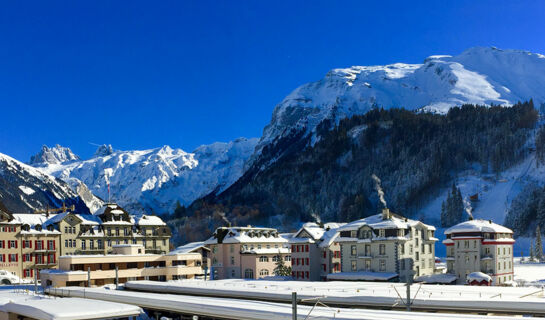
point(414, 154)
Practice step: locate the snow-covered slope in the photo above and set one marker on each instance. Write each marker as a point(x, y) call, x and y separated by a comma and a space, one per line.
point(24, 188)
point(157, 178)
point(57, 154)
point(477, 76)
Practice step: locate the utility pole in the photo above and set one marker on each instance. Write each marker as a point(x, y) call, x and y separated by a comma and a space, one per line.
point(116, 277)
point(294, 305)
point(408, 284)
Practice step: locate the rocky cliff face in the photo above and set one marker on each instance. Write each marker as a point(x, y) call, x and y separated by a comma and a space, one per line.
point(154, 179)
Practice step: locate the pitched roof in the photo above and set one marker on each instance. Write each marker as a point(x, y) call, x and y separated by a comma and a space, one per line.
point(478, 225)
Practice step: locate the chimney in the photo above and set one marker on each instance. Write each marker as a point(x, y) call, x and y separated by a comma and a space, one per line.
point(386, 214)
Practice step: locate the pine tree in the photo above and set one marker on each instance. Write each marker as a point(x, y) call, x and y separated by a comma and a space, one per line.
point(539, 247)
point(281, 269)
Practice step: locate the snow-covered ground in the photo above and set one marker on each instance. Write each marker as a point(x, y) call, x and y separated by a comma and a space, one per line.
point(248, 309)
point(529, 273)
point(361, 294)
point(27, 304)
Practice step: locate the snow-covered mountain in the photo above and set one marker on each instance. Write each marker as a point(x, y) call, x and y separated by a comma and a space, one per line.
point(54, 155)
point(480, 75)
point(24, 188)
point(156, 178)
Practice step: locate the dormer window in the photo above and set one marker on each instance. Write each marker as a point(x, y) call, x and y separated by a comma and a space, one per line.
point(38, 227)
point(381, 233)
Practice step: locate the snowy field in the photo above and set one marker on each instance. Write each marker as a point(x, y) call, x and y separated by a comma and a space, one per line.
point(451, 297)
point(248, 309)
point(529, 274)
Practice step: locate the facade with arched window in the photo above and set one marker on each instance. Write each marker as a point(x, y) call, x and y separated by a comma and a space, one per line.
point(246, 252)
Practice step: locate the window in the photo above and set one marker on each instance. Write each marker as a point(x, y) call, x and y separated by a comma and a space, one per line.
point(381, 232)
point(499, 265)
point(287, 258)
point(402, 248)
point(423, 249)
point(466, 243)
point(66, 243)
point(232, 260)
point(275, 258)
point(416, 241)
point(353, 250)
point(411, 249)
point(91, 244)
point(83, 244)
point(367, 250)
point(263, 259)
point(233, 273)
point(402, 264)
point(503, 250)
point(417, 256)
point(430, 248)
point(133, 241)
point(264, 272)
point(99, 244)
point(354, 265)
point(467, 259)
point(126, 241)
point(249, 273)
point(259, 246)
point(117, 231)
point(487, 250)
point(382, 265)
point(382, 249)
point(474, 244)
point(432, 263)
point(498, 251)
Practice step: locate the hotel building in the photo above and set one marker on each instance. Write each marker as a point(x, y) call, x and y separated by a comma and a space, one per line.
point(480, 246)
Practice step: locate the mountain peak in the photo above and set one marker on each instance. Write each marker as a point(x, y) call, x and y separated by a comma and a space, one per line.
point(104, 150)
point(55, 155)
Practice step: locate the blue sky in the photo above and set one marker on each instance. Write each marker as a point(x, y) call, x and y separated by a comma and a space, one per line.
point(184, 73)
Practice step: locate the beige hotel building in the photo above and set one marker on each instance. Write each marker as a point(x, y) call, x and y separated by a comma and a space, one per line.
point(246, 252)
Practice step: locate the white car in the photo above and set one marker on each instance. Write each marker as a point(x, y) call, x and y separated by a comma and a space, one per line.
point(7, 277)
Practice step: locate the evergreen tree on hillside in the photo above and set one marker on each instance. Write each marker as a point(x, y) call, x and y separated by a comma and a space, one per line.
point(452, 209)
point(539, 246)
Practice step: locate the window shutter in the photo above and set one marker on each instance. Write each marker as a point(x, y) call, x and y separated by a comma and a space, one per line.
point(24, 258)
point(24, 244)
point(9, 244)
point(16, 258)
point(36, 243)
point(16, 244)
point(30, 244)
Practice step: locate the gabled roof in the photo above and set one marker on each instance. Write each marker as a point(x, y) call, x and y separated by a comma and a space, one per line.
point(190, 247)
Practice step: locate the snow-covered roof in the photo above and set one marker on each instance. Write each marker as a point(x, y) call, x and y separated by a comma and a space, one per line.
point(478, 225)
point(377, 222)
point(246, 235)
point(437, 278)
point(147, 220)
point(33, 220)
point(266, 250)
point(189, 247)
point(325, 234)
point(362, 276)
point(35, 307)
point(478, 276)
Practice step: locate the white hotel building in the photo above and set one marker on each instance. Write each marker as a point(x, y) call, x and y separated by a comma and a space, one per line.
point(480, 246)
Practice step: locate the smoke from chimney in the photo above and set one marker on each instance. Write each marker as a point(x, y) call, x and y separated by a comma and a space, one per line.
point(468, 209)
point(316, 217)
point(224, 218)
point(379, 190)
